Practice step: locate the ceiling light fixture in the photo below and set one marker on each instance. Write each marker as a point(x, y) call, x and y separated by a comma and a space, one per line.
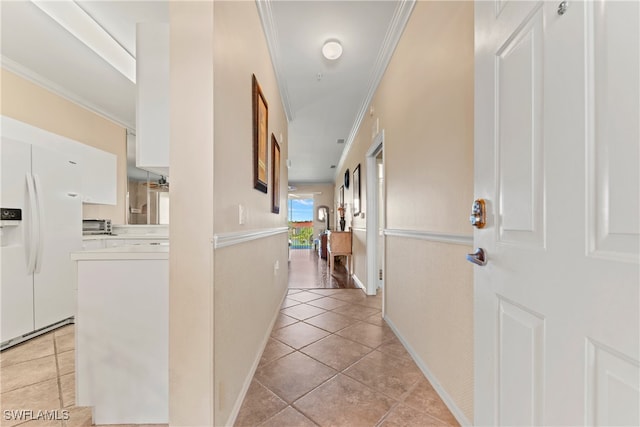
point(332, 50)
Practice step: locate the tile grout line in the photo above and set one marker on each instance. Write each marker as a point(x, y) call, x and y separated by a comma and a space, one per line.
point(55, 352)
point(397, 401)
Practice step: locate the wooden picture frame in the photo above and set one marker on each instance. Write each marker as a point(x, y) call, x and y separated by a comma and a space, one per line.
point(275, 175)
point(356, 191)
point(260, 136)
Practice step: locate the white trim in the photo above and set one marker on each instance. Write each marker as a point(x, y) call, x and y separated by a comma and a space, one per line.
point(358, 229)
point(456, 239)
point(33, 77)
point(446, 398)
point(359, 283)
point(373, 218)
point(247, 381)
point(391, 39)
point(70, 16)
point(223, 240)
point(271, 34)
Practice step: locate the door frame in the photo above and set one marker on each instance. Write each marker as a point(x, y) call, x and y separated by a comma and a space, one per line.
point(372, 214)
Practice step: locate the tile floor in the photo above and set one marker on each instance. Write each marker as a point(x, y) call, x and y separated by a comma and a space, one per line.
point(332, 361)
point(308, 270)
point(39, 375)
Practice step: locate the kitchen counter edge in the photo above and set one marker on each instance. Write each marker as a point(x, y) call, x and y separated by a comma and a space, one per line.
point(127, 252)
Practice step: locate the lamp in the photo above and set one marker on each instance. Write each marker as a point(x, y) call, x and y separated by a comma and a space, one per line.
point(332, 50)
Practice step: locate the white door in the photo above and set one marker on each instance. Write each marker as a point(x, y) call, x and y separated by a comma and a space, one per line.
point(58, 184)
point(16, 295)
point(557, 159)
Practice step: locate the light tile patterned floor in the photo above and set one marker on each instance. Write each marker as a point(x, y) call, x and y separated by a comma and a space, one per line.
point(333, 361)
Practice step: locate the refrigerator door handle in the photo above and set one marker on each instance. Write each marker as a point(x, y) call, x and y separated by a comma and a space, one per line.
point(34, 228)
point(38, 188)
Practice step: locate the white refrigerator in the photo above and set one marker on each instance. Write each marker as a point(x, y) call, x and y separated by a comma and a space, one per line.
point(37, 276)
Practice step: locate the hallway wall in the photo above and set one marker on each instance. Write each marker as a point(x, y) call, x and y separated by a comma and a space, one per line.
point(223, 297)
point(248, 288)
point(424, 104)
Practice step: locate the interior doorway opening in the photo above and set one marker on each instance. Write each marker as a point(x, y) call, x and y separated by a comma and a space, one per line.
point(376, 216)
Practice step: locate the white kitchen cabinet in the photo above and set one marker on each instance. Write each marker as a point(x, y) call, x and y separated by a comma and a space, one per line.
point(99, 175)
point(122, 334)
point(152, 100)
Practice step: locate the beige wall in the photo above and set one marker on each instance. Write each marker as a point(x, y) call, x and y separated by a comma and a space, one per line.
point(424, 104)
point(223, 301)
point(30, 103)
point(248, 289)
point(191, 294)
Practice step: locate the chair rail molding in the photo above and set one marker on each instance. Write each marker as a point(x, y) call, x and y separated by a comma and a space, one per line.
point(456, 239)
point(222, 240)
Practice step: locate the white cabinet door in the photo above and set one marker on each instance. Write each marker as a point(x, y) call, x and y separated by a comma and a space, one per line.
point(58, 194)
point(557, 142)
point(99, 176)
point(152, 101)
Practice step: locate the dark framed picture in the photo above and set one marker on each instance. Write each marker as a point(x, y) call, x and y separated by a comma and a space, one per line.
point(275, 175)
point(260, 137)
point(341, 197)
point(356, 191)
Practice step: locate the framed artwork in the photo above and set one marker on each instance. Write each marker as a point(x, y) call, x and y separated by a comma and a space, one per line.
point(275, 175)
point(356, 191)
point(341, 197)
point(260, 137)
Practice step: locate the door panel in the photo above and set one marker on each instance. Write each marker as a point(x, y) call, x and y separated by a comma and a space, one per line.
point(557, 306)
point(521, 365)
point(520, 144)
point(614, 175)
point(612, 387)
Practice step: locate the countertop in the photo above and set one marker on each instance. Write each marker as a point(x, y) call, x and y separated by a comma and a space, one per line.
point(126, 236)
point(126, 252)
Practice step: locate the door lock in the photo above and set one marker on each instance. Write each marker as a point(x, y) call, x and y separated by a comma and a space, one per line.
point(478, 216)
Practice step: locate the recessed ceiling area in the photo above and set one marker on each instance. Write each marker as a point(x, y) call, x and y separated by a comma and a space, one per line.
point(324, 99)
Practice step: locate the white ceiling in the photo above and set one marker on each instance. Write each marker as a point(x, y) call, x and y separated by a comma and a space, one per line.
point(324, 100)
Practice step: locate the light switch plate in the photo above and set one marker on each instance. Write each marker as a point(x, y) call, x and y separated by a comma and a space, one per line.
point(242, 215)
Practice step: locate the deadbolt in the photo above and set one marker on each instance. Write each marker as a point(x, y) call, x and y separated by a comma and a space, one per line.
point(478, 216)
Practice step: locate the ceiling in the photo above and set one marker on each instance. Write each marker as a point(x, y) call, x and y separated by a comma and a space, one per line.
point(324, 100)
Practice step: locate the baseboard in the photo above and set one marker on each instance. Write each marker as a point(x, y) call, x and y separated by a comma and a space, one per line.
point(247, 382)
point(462, 419)
point(359, 283)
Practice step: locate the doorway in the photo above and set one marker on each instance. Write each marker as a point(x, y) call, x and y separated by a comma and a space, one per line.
point(376, 216)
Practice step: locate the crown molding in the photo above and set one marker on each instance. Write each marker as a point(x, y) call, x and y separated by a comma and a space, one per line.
point(33, 77)
point(391, 39)
point(271, 34)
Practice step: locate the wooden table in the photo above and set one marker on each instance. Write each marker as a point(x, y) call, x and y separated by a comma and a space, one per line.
point(339, 244)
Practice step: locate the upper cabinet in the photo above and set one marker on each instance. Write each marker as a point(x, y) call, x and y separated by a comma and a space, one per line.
point(152, 100)
point(99, 175)
point(98, 179)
